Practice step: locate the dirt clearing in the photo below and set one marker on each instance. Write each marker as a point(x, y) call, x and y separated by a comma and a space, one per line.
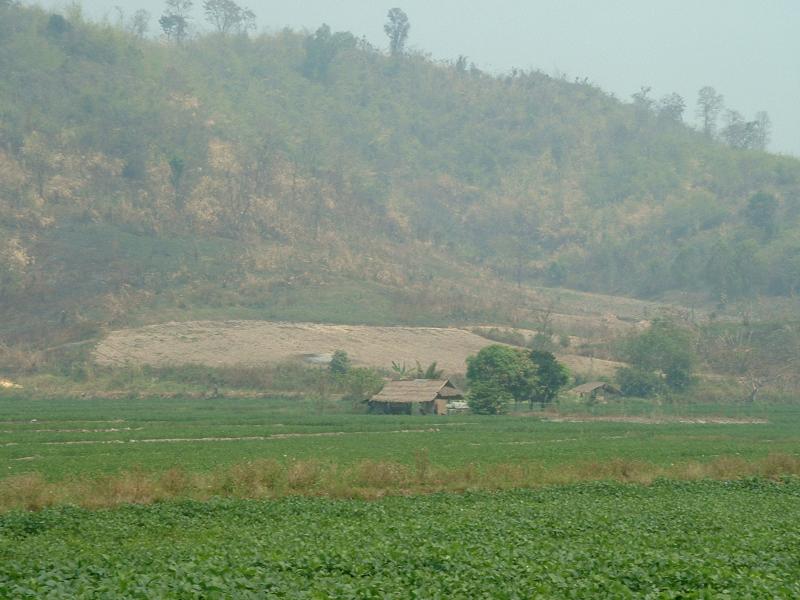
point(221, 343)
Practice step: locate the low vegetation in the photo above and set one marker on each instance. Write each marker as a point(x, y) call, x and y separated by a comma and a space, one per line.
point(365, 479)
point(71, 450)
point(596, 540)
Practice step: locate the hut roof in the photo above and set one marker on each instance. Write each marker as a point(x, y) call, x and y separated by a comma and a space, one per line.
point(588, 388)
point(417, 390)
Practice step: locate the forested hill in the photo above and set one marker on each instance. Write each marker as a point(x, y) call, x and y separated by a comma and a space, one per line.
point(230, 171)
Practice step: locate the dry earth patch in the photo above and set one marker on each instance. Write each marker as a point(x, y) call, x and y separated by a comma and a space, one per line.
point(224, 343)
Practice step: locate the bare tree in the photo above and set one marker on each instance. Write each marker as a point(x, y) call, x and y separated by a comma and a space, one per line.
point(228, 17)
point(763, 130)
point(709, 105)
point(140, 23)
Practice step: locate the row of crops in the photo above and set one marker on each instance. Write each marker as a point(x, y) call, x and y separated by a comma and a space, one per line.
point(667, 540)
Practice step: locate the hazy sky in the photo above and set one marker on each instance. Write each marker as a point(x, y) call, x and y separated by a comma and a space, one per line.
point(749, 50)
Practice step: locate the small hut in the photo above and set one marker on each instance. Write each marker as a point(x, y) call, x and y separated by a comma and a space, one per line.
point(423, 396)
point(595, 391)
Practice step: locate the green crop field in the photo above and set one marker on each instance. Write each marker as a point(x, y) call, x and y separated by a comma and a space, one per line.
point(668, 540)
point(62, 438)
point(291, 498)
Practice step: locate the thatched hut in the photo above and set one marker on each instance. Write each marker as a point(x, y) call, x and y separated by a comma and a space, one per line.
point(423, 396)
point(596, 390)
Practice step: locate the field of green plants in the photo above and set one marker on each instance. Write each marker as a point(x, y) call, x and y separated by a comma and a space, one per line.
point(305, 499)
point(668, 540)
point(62, 438)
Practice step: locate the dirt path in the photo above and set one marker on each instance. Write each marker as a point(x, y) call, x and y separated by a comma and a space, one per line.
point(216, 343)
point(656, 420)
point(248, 438)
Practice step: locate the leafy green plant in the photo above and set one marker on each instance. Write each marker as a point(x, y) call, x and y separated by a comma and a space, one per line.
point(634, 381)
point(340, 363)
point(504, 370)
point(682, 539)
point(488, 398)
point(361, 384)
point(668, 348)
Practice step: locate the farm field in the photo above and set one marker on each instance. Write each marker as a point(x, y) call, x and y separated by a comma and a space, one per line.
point(217, 343)
point(291, 498)
point(601, 540)
point(62, 438)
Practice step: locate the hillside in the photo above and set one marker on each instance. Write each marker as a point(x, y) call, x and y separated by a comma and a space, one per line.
point(255, 343)
point(301, 177)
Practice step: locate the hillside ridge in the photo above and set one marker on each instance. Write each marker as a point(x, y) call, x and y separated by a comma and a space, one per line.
point(141, 180)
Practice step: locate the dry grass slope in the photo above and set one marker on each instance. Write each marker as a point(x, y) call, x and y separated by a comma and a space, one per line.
point(218, 343)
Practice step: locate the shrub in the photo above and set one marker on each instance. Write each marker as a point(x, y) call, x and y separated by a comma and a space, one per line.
point(488, 398)
point(361, 384)
point(340, 363)
point(639, 382)
point(666, 347)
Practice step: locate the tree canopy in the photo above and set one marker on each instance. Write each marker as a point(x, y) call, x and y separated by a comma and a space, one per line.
point(397, 28)
point(505, 368)
point(667, 348)
point(551, 376)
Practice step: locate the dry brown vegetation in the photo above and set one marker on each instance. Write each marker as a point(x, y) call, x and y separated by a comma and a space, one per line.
point(367, 479)
point(218, 343)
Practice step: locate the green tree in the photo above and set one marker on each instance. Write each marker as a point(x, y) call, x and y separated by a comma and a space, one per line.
point(504, 368)
point(634, 381)
point(488, 398)
point(552, 376)
point(361, 384)
point(762, 212)
point(431, 372)
point(733, 268)
point(397, 28)
point(340, 363)
point(667, 348)
point(642, 100)
point(738, 132)
point(175, 20)
point(322, 49)
point(671, 107)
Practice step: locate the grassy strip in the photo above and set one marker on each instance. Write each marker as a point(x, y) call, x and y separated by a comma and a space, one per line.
point(366, 479)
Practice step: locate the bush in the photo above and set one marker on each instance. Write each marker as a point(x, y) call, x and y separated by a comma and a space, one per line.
point(639, 382)
point(666, 347)
point(361, 384)
point(488, 398)
point(340, 363)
